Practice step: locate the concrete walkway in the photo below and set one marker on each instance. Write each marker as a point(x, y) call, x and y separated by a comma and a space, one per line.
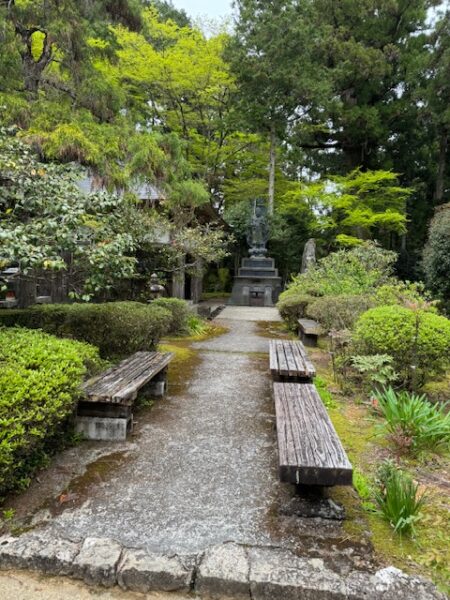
point(250, 313)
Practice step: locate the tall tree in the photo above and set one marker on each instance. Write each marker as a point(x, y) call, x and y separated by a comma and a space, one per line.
point(276, 56)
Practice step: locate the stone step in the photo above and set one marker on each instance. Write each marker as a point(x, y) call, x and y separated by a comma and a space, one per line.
point(229, 569)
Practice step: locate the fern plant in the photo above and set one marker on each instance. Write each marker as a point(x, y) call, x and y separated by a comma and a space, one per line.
point(376, 369)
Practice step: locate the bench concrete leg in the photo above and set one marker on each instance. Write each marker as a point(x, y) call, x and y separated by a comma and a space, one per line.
point(104, 428)
point(309, 340)
point(158, 385)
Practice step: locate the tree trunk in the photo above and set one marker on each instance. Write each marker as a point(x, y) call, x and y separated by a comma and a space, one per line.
point(33, 69)
point(442, 164)
point(272, 160)
point(179, 279)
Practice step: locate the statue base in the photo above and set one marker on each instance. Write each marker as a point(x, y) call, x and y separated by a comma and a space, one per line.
point(257, 283)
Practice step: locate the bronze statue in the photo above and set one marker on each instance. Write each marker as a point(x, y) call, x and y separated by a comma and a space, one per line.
point(259, 232)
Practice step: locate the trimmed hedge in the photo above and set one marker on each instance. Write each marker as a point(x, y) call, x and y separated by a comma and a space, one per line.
point(339, 312)
point(411, 337)
point(40, 378)
point(116, 328)
point(292, 306)
point(180, 314)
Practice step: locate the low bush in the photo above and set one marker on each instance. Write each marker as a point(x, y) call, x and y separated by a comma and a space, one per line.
point(412, 422)
point(40, 378)
point(346, 273)
point(180, 314)
point(116, 328)
point(403, 293)
point(356, 271)
point(417, 340)
point(338, 312)
point(292, 306)
point(398, 498)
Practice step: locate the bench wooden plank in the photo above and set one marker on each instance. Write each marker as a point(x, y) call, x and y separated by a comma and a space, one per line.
point(295, 366)
point(273, 357)
point(288, 360)
point(283, 367)
point(121, 383)
point(303, 359)
point(310, 450)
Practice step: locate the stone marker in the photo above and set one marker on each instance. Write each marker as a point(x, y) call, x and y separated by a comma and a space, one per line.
point(224, 571)
point(144, 572)
point(309, 255)
point(97, 561)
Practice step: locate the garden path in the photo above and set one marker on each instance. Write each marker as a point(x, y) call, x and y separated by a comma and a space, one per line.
point(201, 468)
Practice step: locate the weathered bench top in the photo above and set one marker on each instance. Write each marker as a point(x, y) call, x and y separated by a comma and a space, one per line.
point(288, 359)
point(310, 327)
point(120, 384)
point(310, 451)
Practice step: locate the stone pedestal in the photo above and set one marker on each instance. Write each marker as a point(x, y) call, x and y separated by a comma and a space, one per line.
point(257, 283)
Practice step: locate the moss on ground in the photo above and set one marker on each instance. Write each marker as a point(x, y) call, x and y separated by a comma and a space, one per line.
point(211, 331)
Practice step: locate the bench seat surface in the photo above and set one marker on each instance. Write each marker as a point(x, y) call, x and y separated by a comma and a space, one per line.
point(310, 450)
point(309, 327)
point(288, 358)
point(120, 384)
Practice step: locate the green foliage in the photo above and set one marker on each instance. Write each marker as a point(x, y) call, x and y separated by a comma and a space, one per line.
point(364, 488)
point(417, 340)
point(404, 293)
point(292, 306)
point(361, 205)
point(412, 422)
point(180, 314)
point(398, 499)
point(346, 273)
point(196, 325)
point(339, 312)
point(436, 255)
point(39, 386)
point(45, 219)
point(356, 271)
point(116, 328)
point(375, 369)
point(324, 393)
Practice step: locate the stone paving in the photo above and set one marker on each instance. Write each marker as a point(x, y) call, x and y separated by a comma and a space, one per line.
point(192, 501)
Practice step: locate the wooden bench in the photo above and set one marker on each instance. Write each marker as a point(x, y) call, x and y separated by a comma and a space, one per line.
point(105, 412)
point(289, 361)
point(310, 451)
point(309, 331)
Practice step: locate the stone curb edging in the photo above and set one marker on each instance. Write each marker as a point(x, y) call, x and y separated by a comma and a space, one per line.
point(229, 569)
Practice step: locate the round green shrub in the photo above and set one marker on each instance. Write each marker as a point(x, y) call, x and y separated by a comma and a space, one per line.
point(180, 313)
point(418, 341)
point(40, 379)
point(292, 306)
